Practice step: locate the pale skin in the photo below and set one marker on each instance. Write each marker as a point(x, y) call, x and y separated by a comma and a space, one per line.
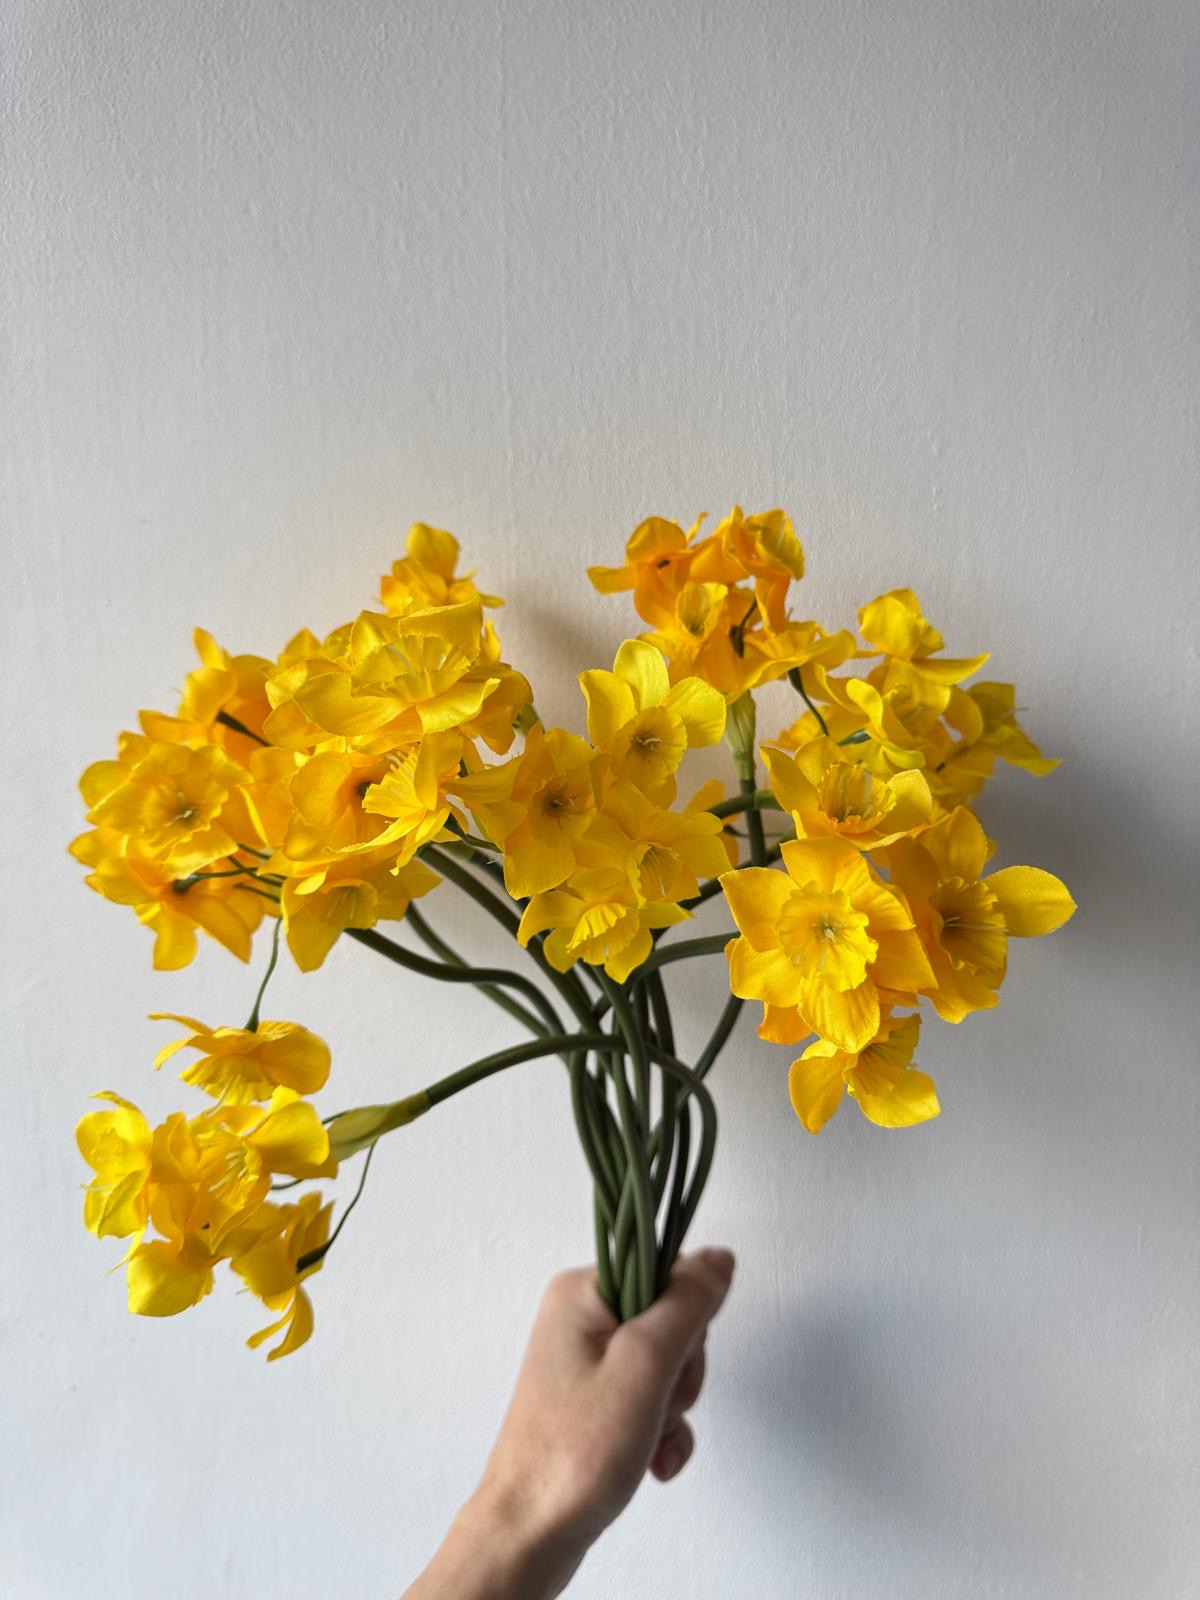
point(596, 1406)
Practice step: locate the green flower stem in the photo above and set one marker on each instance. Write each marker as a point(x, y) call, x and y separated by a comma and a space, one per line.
point(252, 1024)
point(797, 683)
point(447, 972)
point(720, 1035)
point(604, 1267)
point(664, 1034)
point(711, 945)
point(754, 825)
point(491, 980)
point(227, 721)
point(672, 1229)
point(569, 988)
point(516, 1055)
point(637, 1168)
point(749, 800)
point(442, 861)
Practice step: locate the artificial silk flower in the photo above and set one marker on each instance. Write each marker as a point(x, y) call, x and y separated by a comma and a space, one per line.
point(658, 556)
point(644, 722)
point(116, 1145)
point(598, 917)
point(664, 853)
point(427, 575)
point(171, 908)
point(238, 1065)
point(880, 1077)
point(171, 798)
point(965, 919)
point(819, 942)
point(895, 625)
point(324, 899)
point(268, 1255)
point(537, 808)
point(830, 792)
point(764, 547)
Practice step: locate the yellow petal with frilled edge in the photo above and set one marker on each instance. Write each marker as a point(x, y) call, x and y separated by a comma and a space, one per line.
point(756, 897)
point(163, 1280)
point(115, 1208)
point(700, 708)
point(1032, 902)
point(816, 1084)
point(847, 1017)
point(299, 1323)
point(610, 705)
point(642, 667)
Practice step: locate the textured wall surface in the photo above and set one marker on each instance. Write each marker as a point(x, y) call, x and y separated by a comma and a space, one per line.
point(280, 279)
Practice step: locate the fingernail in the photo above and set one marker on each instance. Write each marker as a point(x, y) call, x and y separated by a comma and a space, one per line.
point(719, 1260)
point(668, 1461)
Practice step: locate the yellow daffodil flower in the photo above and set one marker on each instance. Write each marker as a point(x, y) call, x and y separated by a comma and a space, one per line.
point(537, 808)
point(598, 917)
point(765, 548)
point(326, 898)
point(265, 1252)
point(998, 735)
point(123, 873)
point(426, 575)
point(895, 625)
point(657, 558)
point(819, 942)
point(964, 919)
point(664, 853)
point(169, 798)
point(829, 792)
point(239, 1065)
point(880, 1077)
point(222, 684)
point(644, 722)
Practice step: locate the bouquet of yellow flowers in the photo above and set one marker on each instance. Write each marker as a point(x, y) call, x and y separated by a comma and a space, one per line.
point(334, 788)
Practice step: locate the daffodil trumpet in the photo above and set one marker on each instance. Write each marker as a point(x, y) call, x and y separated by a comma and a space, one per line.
point(324, 792)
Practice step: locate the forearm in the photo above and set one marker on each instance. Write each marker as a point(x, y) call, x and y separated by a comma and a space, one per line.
point(494, 1552)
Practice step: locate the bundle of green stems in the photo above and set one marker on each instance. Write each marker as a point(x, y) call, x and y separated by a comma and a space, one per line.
point(645, 1120)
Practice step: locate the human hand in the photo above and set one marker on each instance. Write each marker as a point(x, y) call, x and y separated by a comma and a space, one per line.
point(596, 1405)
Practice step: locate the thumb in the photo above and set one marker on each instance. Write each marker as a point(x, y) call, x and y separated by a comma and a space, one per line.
point(677, 1320)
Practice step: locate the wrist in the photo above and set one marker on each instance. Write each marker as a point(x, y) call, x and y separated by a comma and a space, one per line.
point(501, 1546)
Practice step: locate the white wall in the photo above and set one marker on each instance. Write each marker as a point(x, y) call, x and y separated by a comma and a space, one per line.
point(281, 279)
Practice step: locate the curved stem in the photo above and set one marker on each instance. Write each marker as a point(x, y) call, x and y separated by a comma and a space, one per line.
point(749, 800)
point(637, 1169)
point(252, 1024)
point(447, 972)
point(797, 683)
